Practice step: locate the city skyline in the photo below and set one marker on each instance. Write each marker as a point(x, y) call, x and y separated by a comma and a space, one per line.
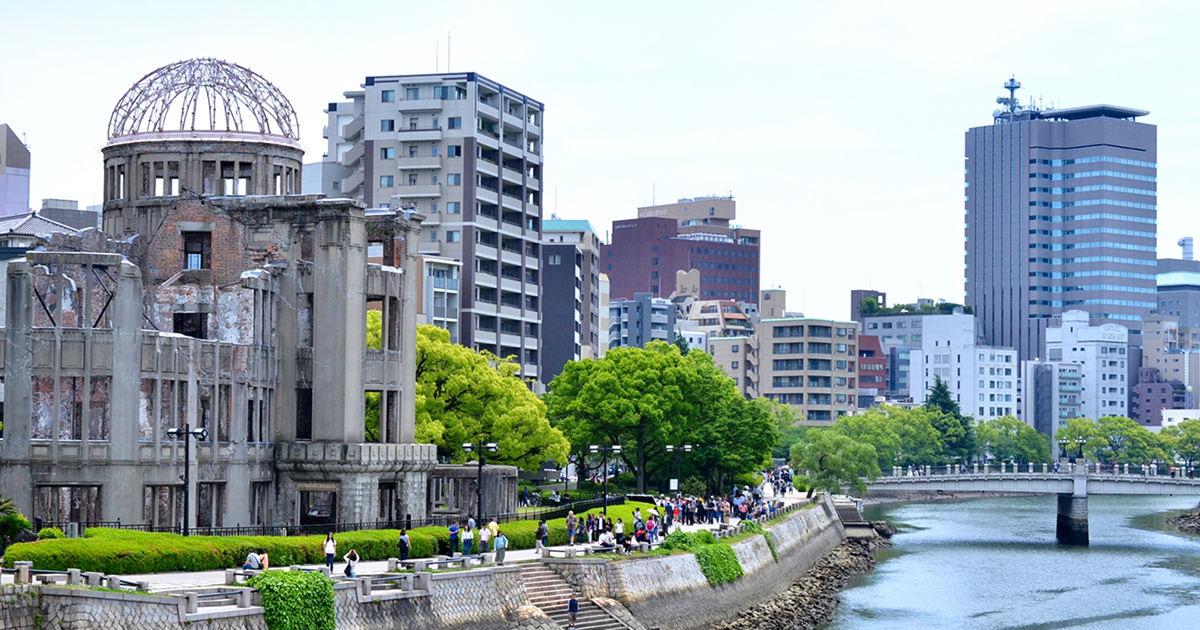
point(839, 97)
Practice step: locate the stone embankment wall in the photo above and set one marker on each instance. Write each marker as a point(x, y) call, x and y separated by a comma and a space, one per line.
point(672, 592)
point(656, 592)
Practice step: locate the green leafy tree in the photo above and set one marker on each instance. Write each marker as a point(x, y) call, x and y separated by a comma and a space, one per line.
point(834, 461)
point(787, 423)
point(646, 398)
point(682, 344)
point(876, 427)
point(1185, 440)
point(1007, 439)
point(958, 442)
point(1127, 442)
point(468, 396)
point(1079, 431)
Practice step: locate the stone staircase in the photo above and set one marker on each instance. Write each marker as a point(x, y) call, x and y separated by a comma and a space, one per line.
point(547, 590)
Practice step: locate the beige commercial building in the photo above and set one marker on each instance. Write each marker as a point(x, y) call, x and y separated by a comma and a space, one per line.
point(738, 356)
point(811, 364)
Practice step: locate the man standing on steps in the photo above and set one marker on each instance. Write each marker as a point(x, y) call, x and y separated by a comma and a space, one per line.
point(572, 611)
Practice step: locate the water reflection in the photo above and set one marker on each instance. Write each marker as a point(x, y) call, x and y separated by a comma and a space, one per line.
point(995, 563)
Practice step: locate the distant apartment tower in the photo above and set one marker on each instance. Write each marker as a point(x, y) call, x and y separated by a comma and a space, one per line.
point(635, 323)
point(604, 316)
point(646, 252)
point(14, 173)
point(467, 152)
point(811, 364)
point(439, 293)
point(738, 356)
point(584, 237)
point(872, 371)
point(1050, 395)
point(562, 312)
point(1060, 215)
point(982, 379)
point(1102, 354)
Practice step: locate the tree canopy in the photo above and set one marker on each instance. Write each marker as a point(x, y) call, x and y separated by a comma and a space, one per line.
point(1007, 439)
point(468, 396)
point(644, 399)
point(1112, 439)
point(901, 437)
point(833, 461)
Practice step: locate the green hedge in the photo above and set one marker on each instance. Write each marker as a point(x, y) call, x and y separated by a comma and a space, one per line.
point(719, 563)
point(133, 552)
point(47, 533)
point(296, 600)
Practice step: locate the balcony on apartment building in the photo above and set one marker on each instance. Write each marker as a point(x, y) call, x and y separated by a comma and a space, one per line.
point(418, 190)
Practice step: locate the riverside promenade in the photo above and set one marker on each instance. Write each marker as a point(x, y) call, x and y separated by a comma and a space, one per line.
point(193, 579)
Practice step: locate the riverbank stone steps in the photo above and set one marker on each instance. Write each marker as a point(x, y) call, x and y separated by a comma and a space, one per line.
point(547, 590)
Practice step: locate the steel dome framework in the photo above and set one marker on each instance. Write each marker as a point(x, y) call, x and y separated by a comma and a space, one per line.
point(204, 95)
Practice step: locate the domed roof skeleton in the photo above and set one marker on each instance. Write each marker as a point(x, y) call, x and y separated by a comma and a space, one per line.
point(235, 90)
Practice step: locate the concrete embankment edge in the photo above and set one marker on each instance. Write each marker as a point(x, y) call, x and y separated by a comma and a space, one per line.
point(672, 592)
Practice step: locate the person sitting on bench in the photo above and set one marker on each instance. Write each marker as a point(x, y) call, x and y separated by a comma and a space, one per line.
point(606, 541)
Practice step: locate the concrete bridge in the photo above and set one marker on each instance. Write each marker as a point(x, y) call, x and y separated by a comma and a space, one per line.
point(1072, 484)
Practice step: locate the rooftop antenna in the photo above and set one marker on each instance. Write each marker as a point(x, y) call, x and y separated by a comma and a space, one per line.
point(1012, 85)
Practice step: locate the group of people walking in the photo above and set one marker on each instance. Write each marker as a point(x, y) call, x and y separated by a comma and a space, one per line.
point(489, 537)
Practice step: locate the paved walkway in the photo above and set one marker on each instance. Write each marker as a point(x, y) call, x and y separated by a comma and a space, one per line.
point(168, 581)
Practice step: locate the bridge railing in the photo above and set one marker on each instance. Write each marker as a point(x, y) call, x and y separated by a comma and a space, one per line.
point(1057, 468)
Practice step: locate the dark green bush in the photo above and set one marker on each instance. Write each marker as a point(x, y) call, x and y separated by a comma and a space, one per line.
point(703, 537)
point(296, 600)
point(10, 524)
point(719, 563)
point(678, 540)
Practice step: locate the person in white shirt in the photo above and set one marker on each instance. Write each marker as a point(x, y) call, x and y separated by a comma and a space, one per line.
point(330, 551)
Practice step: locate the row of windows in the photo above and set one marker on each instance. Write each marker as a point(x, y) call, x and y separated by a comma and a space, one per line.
point(1089, 160)
point(737, 295)
point(996, 397)
point(1063, 176)
point(725, 266)
point(1093, 302)
point(1092, 272)
point(1095, 287)
point(1080, 189)
point(1094, 230)
point(1089, 217)
point(389, 153)
point(440, 92)
point(389, 124)
point(997, 411)
point(708, 251)
point(1058, 247)
point(724, 280)
point(1093, 202)
point(452, 236)
point(1090, 259)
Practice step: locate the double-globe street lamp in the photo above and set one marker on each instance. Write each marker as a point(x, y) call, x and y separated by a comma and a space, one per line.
point(202, 435)
point(679, 451)
point(615, 449)
point(481, 448)
point(1078, 441)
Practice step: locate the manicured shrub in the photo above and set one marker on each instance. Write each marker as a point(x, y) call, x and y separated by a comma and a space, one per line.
point(296, 600)
point(719, 563)
point(49, 533)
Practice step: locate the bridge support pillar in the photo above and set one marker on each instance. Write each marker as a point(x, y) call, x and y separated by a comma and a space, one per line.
point(1072, 519)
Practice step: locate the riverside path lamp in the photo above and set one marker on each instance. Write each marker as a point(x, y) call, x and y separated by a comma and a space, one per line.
point(1080, 441)
point(481, 448)
point(679, 451)
point(1062, 447)
point(202, 435)
point(615, 449)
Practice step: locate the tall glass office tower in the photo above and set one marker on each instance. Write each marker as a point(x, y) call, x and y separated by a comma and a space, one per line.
point(1060, 215)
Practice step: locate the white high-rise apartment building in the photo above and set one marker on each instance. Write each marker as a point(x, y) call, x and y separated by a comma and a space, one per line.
point(982, 379)
point(1101, 352)
point(466, 152)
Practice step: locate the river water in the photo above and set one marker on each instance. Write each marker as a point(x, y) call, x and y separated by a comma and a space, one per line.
point(994, 563)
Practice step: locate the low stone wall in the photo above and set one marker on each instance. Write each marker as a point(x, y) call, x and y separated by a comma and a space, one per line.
point(65, 608)
point(672, 592)
point(19, 607)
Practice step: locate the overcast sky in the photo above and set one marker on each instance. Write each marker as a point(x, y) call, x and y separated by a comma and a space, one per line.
point(838, 126)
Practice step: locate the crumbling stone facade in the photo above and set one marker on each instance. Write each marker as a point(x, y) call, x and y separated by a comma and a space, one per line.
point(245, 314)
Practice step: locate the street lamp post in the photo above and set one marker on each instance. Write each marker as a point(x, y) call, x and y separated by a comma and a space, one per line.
point(1080, 441)
point(686, 448)
point(202, 435)
point(615, 449)
point(480, 448)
